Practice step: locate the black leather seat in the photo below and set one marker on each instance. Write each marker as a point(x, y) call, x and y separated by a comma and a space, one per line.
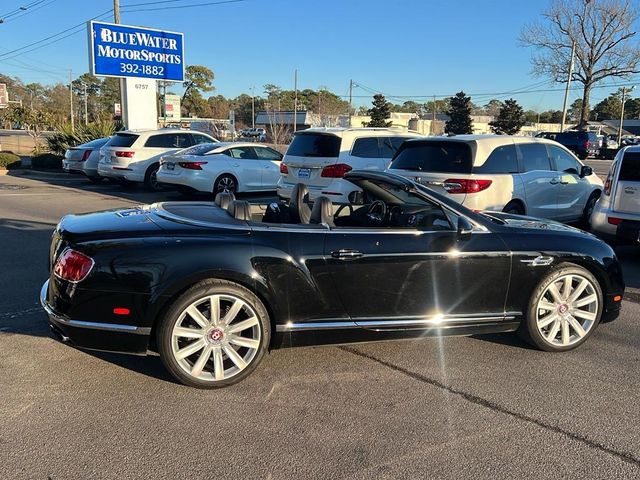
point(223, 199)
point(299, 204)
point(322, 211)
point(240, 210)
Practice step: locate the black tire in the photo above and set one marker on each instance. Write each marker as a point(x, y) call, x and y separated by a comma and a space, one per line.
point(150, 181)
point(588, 210)
point(225, 183)
point(514, 208)
point(173, 315)
point(528, 329)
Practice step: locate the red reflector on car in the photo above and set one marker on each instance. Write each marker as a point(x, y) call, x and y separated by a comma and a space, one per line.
point(335, 171)
point(72, 266)
point(614, 220)
point(284, 169)
point(617, 298)
point(125, 154)
point(192, 165)
point(85, 155)
point(465, 185)
point(121, 311)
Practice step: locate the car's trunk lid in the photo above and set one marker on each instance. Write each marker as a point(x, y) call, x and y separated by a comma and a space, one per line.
point(309, 154)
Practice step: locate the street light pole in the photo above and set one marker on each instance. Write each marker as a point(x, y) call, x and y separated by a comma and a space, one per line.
point(566, 91)
point(116, 19)
point(295, 101)
point(253, 108)
point(624, 99)
point(71, 98)
point(86, 109)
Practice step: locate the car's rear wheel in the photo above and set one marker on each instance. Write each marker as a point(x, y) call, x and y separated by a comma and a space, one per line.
point(564, 310)
point(514, 208)
point(214, 335)
point(151, 178)
point(225, 183)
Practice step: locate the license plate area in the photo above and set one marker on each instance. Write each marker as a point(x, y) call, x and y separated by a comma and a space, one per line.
point(304, 173)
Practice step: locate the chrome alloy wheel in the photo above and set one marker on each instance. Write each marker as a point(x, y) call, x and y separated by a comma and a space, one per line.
point(216, 337)
point(226, 184)
point(567, 310)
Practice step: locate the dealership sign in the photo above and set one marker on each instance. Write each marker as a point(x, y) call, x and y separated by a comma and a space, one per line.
point(125, 51)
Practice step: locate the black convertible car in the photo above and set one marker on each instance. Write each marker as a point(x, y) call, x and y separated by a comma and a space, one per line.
point(213, 286)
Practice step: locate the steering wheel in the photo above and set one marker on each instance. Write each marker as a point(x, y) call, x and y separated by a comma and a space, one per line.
point(377, 213)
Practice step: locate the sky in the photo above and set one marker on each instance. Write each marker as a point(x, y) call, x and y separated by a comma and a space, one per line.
point(406, 49)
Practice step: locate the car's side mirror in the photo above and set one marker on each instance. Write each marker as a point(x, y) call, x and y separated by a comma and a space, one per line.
point(356, 198)
point(585, 171)
point(465, 228)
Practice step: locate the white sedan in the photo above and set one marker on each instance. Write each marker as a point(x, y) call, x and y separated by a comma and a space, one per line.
point(222, 167)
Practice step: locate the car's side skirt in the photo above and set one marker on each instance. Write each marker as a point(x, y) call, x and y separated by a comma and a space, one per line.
point(370, 323)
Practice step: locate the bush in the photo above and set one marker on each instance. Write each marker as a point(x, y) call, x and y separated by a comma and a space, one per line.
point(66, 137)
point(9, 160)
point(47, 161)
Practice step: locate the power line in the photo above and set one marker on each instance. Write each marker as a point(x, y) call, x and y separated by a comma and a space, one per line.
point(27, 12)
point(23, 8)
point(178, 6)
point(24, 47)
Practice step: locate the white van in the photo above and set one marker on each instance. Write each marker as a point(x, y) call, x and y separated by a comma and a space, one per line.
point(519, 175)
point(320, 157)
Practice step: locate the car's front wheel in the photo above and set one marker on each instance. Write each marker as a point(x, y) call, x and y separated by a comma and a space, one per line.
point(214, 335)
point(564, 309)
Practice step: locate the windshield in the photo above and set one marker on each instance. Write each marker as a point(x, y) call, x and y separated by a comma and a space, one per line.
point(438, 156)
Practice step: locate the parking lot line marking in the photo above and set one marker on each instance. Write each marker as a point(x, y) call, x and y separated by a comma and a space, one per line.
point(624, 456)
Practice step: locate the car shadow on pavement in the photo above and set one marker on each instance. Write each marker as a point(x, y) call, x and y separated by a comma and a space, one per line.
point(133, 192)
point(507, 339)
point(149, 365)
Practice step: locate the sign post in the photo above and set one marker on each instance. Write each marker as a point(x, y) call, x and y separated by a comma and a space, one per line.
point(141, 56)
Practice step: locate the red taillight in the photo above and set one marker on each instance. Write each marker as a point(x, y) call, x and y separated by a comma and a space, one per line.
point(284, 169)
point(465, 185)
point(85, 155)
point(72, 266)
point(338, 170)
point(125, 154)
point(614, 220)
point(607, 185)
point(121, 311)
point(192, 165)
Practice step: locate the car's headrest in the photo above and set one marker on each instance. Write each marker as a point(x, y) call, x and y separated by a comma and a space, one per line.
point(300, 203)
point(240, 210)
point(223, 199)
point(322, 211)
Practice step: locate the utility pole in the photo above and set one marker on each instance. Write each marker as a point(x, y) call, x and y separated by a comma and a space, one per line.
point(433, 117)
point(116, 19)
point(71, 98)
point(350, 100)
point(86, 109)
point(624, 99)
point(253, 108)
point(295, 101)
point(566, 91)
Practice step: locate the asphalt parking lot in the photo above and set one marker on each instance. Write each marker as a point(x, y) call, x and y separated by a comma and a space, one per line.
point(464, 407)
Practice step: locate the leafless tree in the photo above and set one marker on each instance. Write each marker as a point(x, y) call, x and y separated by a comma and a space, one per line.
point(602, 31)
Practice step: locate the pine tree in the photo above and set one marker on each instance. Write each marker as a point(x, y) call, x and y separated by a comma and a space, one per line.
point(459, 112)
point(380, 111)
point(510, 119)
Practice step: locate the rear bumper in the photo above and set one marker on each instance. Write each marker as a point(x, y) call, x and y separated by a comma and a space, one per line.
point(198, 180)
point(627, 232)
point(93, 335)
point(71, 166)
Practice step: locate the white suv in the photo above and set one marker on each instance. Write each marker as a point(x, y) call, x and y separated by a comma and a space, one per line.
point(320, 157)
point(616, 216)
point(134, 155)
point(519, 175)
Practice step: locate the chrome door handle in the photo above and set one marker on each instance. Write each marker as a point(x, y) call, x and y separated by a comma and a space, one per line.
point(236, 164)
point(346, 254)
point(554, 181)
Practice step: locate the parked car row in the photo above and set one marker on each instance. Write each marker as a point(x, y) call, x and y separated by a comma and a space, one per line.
point(537, 177)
